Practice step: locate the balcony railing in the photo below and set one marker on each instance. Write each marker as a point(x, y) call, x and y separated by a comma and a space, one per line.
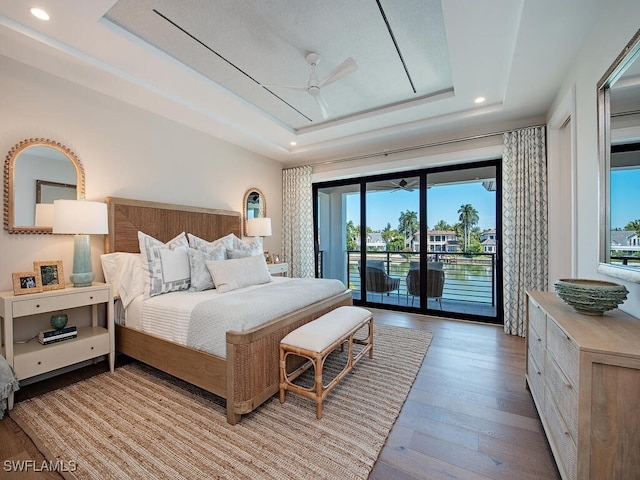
point(468, 277)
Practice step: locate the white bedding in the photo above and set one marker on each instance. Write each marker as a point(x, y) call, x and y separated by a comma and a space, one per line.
point(168, 316)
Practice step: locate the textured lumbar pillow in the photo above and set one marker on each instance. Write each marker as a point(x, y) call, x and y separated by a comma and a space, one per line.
point(237, 273)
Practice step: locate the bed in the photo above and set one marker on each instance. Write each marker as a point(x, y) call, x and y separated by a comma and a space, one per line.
point(248, 375)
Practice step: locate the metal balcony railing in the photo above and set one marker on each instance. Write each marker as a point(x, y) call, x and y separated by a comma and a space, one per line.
point(468, 277)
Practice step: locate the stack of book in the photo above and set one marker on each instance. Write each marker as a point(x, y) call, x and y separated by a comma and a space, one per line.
point(52, 336)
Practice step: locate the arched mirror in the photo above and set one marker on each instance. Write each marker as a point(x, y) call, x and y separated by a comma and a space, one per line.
point(38, 171)
point(619, 147)
point(254, 206)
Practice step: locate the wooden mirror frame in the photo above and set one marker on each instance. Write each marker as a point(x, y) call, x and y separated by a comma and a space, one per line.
point(244, 207)
point(9, 181)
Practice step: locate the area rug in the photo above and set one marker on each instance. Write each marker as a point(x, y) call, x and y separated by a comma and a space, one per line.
point(141, 423)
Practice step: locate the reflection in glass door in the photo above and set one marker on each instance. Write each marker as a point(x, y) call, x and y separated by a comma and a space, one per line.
point(338, 234)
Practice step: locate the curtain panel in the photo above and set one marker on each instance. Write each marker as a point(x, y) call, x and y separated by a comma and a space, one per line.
point(297, 221)
point(524, 222)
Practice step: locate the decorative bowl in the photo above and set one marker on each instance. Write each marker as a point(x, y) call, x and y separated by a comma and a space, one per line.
point(591, 297)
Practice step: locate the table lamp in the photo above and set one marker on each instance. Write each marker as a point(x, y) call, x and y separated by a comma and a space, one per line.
point(80, 218)
point(259, 227)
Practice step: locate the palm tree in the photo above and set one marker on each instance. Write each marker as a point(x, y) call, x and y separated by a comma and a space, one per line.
point(442, 225)
point(633, 225)
point(468, 218)
point(407, 223)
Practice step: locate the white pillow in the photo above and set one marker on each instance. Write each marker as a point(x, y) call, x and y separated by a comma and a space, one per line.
point(119, 268)
point(166, 266)
point(132, 280)
point(209, 247)
point(230, 275)
point(200, 276)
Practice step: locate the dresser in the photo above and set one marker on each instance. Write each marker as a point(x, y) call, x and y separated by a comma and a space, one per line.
point(583, 372)
point(31, 358)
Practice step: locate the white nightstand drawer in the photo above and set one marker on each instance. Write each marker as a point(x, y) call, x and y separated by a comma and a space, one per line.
point(65, 300)
point(33, 359)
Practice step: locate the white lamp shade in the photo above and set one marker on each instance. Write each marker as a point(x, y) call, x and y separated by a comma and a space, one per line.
point(259, 227)
point(80, 217)
point(44, 214)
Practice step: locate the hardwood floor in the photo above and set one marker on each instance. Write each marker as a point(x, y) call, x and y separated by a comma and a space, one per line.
point(468, 415)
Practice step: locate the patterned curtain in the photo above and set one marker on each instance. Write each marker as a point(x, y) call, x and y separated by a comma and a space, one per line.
point(524, 222)
point(297, 221)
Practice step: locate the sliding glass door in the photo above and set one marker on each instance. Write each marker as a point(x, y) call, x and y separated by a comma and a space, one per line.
point(424, 241)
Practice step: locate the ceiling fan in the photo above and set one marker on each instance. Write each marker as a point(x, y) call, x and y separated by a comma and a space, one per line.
point(313, 86)
point(404, 185)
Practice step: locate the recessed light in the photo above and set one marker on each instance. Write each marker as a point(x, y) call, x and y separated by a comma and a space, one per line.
point(293, 144)
point(479, 100)
point(39, 13)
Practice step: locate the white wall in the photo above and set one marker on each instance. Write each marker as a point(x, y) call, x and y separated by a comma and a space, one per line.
point(619, 22)
point(126, 152)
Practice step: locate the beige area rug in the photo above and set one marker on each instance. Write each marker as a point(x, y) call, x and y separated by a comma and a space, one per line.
point(141, 423)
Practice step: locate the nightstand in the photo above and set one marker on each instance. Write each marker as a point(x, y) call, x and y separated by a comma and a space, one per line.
point(280, 269)
point(31, 358)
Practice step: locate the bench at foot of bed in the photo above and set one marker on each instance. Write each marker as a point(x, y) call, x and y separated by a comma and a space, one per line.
point(315, 340)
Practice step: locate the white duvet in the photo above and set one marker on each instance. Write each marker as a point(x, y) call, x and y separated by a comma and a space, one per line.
point(169, 316)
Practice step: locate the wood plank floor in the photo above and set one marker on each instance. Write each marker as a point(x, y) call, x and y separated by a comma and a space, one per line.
point(468, 415)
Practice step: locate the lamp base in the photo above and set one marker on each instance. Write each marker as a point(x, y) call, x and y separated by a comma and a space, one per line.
point(82, 279)
point(82, 275)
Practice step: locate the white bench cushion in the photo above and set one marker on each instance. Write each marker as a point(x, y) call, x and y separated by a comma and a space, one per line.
point(323, 331)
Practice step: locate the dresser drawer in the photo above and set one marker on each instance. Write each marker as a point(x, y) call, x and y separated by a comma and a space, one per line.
point(560, 438)
point(91, 342)
point(536, 383)
point(536, 346)
point(564, 395)
point(64, 301)
point(564, 351)
point(538, 320)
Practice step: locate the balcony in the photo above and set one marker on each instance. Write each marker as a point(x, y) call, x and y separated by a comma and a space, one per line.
point(469, 287)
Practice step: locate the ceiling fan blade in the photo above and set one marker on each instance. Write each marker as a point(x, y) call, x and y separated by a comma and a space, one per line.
point(324, 108)
point(290, 87)
point(347, 67)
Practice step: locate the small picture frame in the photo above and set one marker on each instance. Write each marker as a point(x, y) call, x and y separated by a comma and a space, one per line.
point(275, 258)
point(26, 282)
point(51, 274)
point(267, 257)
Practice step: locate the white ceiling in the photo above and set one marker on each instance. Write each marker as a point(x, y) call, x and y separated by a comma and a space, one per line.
point(202, 63)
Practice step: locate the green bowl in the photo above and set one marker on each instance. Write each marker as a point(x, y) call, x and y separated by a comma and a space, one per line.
point(591, 297)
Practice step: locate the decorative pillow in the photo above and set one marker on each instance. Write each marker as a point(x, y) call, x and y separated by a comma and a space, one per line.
point(252, 247)
point(200, 276)
point(166, 266)
point(237, 273)
point(205, 246)
point(237, 253)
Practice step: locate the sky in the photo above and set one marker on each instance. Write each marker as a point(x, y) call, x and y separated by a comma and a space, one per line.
point(625, 190)
point(443, 203)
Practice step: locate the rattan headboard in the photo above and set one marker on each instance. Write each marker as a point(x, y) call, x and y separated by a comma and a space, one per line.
point(163, 221)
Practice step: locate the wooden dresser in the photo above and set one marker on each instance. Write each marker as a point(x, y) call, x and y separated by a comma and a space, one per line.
point(584, 375)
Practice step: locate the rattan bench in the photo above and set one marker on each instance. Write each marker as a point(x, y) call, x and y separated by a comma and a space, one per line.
point(315, 340)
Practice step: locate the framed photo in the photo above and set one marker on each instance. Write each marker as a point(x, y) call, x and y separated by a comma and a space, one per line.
point(275, 258)
point(267, 257)
point(26, 282)
point(51, 274)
